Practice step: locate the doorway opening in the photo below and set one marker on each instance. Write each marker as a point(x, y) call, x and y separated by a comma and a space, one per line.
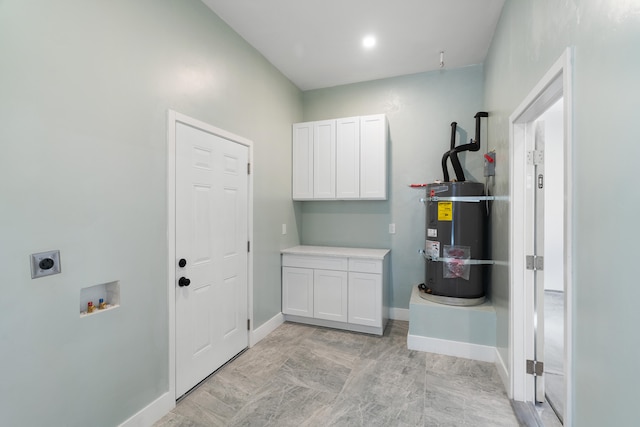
point(541, 238)
point(553, 286)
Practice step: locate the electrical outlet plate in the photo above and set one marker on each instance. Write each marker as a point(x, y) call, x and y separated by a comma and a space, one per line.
point(45, 264)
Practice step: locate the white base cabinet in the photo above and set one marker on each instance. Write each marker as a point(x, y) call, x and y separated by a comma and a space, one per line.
point(344, 288)
point(330, 295)
point(298, 299)
point(365, 298)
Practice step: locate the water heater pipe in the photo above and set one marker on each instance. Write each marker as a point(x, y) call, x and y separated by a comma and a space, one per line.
point(445, 156)
point(473, 145)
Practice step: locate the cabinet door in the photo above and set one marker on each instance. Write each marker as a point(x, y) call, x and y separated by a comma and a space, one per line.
point(373, 157)
point(365, 299)
point(330, 295)
point(297, 291)
point(302, 164)
point(324, 159)
point(348, 158)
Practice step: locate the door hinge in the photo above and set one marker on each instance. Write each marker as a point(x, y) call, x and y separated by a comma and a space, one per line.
point(535, 368)
point(248, 168)
point(248, 246)
point(535, 157)
point(248, 324)
point(535, 262)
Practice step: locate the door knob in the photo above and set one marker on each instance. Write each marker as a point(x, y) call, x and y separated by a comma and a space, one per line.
point(183, 281)
point(182, 262)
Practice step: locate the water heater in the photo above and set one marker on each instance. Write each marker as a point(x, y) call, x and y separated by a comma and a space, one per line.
point(456, 220)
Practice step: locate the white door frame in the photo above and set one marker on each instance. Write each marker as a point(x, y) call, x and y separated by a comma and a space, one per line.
point(555, 83)
point(173, 118)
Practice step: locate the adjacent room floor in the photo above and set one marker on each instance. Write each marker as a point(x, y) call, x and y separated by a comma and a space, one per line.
point(554, 349)
point(309, 376)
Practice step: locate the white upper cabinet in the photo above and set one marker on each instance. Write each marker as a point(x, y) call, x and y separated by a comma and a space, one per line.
point(342, 159)
point(373, 157)
point(324, 159)
point(302, 161)
point(348, 158)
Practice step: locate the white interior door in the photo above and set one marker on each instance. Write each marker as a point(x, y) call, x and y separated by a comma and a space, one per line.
point(211, 253)
point(539, 245)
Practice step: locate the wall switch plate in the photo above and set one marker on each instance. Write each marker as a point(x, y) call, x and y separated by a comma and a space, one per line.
point(284, 228)
point(392, 229)
point(45, 264)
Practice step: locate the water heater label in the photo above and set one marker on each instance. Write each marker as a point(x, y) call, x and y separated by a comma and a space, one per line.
point(445, 211)
point(432, 232)
point(432, 249)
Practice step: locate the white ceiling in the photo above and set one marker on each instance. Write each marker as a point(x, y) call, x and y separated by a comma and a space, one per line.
point(318, 43)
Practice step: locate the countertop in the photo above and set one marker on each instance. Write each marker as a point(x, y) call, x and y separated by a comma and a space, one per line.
point(332, 251)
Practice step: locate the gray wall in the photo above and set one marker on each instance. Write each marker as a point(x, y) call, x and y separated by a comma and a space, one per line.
point(84, 92)
point(420, 109)
point(530, 36)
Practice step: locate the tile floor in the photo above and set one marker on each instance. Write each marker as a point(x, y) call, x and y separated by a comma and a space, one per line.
point(309, 376)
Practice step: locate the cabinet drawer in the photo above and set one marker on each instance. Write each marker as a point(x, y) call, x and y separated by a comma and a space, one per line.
point(365, 265)
point(319, 262)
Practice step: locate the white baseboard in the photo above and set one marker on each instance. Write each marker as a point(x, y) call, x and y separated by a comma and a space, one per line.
point(152, 412)
point(269, 326)
point(465, 350)
point(373, 330)
point(504, 373)
point(399, 313)
point(265, 329)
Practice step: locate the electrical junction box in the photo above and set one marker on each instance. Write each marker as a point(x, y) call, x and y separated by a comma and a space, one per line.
point(490, 164)
point(45, 264)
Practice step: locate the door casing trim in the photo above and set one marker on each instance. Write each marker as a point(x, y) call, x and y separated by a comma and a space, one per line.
point(174, 117)
point(555, 83)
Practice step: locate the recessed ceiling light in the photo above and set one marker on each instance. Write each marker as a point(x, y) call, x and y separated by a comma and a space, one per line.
point(369, 42)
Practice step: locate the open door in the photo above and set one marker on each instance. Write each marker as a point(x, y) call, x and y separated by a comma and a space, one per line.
point(535, 261)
